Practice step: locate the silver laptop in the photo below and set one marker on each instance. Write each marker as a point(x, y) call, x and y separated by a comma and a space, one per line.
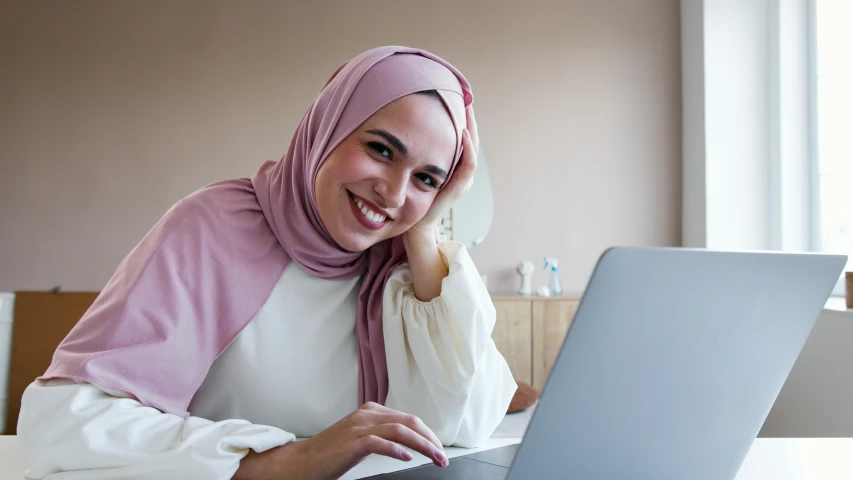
point(669, 369)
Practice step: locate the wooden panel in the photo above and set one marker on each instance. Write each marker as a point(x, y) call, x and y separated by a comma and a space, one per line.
point(41, 322)
point(535, 298)
point(551, 321)
point(512, 336)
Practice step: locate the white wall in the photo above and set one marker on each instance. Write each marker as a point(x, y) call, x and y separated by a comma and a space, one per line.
point(746, 137)
point(736, 123)
point(817, 399)
point(116, 110)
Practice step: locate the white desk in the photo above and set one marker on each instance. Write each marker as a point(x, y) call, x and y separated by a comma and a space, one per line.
point(769, 459)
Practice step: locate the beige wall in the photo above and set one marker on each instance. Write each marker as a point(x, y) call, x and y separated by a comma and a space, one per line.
point(112, 111)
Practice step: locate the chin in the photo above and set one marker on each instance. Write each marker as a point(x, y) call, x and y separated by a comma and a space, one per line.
point(355, 243)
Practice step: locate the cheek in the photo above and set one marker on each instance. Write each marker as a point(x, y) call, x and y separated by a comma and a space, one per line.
point(346, 164)
point(354, 168)
point(417, 206)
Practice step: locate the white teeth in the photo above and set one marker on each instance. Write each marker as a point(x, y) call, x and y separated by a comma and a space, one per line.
point(370, 214)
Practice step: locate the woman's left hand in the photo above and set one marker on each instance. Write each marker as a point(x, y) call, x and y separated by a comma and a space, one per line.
point(461, 181)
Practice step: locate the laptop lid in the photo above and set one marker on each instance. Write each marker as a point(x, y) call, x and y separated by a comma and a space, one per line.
point(672, 362)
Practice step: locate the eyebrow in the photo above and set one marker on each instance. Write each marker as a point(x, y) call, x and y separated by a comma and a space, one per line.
point(392, 139)
point(438, 172)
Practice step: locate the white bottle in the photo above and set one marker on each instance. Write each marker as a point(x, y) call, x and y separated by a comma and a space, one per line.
point(555, 288)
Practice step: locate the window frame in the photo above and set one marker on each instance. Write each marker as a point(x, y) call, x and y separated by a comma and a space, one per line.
point(814, 145)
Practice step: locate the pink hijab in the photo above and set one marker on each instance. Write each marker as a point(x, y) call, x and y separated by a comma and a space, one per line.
point(201, 274)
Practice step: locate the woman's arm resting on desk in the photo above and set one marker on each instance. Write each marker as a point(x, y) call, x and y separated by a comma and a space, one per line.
point(442, 363)
point(79, 431)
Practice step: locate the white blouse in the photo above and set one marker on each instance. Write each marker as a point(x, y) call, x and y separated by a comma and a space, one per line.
point(292, 372)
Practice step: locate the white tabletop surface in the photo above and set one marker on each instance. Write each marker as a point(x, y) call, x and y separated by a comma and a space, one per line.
point(769, 459)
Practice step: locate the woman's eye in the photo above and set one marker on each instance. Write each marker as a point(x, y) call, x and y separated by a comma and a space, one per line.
point(380, 149)
point(426, 179)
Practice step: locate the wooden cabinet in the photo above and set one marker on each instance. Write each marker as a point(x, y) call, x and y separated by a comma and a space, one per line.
point(551, 321)
point(513, 336)
point(529, 332)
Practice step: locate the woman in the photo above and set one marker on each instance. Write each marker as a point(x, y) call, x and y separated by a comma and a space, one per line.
point(311, 300)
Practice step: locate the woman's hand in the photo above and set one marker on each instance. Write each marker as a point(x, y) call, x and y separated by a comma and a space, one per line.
point(428, 269)
point(372, 428)
point(459, 184)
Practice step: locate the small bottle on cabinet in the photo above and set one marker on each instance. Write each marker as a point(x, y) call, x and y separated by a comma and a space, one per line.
point(555, 287)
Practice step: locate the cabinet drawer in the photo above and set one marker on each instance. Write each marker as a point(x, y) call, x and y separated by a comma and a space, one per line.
point(512, 336)
point(551, 321)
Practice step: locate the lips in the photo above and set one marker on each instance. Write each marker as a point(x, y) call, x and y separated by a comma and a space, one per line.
point(366, 215)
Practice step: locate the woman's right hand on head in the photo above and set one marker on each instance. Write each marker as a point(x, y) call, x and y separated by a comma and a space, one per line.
point(371, 429)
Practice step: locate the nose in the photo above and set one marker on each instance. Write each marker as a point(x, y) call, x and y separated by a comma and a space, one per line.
point(392, 190)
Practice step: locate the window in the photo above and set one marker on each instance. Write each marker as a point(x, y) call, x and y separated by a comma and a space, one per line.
point(833, 114)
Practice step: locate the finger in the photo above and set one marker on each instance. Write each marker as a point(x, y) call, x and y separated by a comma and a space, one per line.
point(413, 422)
point(374, 407)
point(374, 444)
point(376, 414)
point(405, 436)
point(472, 126)
point(463, 177)
point(470, 148)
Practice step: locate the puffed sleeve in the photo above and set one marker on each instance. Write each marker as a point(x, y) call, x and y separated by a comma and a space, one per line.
point(443, 365)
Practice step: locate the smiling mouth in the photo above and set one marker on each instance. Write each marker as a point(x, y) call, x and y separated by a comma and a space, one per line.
point(367, 216)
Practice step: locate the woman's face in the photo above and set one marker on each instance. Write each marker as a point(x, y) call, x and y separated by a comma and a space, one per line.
point(382, 179)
